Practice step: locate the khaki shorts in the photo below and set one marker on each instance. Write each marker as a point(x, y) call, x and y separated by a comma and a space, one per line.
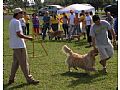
point(105, 51)
point(83, 29)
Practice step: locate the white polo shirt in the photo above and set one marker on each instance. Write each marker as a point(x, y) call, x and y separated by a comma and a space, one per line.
point(22, 21)
point(15, 41)
point(88, 20)
point(71, 17)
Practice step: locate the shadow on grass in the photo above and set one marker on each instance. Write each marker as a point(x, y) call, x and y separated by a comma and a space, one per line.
point(116, 48)
point(81, 43)
point(10, 87)
point(67, 41)
point(44, 41)
point(83, 78)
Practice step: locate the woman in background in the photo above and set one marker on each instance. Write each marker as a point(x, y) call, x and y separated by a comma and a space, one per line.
point(35, 21)
point(65, 24)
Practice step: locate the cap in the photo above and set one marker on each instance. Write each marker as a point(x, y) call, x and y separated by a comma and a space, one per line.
point(17, 10)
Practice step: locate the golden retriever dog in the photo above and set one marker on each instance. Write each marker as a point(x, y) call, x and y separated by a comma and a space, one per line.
point(75, 60)
point(57, 34)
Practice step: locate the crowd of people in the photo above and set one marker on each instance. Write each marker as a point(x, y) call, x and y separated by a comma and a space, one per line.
point(93, 28)
point(73, 24)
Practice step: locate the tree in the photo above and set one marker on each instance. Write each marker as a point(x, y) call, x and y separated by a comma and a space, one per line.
point(38, 4)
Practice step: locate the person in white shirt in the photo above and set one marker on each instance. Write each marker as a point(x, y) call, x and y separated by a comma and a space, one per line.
point(110, 19)
point(23, 24)
point(17, 43)
point(71, 24)
point(88, 21)
point(99, 34)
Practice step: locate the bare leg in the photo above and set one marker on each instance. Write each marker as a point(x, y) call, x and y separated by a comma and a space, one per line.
point(103, 63)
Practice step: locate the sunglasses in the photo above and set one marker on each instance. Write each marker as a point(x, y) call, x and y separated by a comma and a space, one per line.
point(97, 22)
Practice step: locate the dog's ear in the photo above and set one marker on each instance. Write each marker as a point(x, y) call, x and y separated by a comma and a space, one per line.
point(93, 53)
point(96, 50)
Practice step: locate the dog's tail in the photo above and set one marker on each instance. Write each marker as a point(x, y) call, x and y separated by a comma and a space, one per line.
point(67, 50)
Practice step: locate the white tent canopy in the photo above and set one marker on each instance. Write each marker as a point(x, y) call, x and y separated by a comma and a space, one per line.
point(77, 8)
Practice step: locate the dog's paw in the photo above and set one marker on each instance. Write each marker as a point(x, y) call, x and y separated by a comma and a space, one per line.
point(70, 71)
point(75, 68)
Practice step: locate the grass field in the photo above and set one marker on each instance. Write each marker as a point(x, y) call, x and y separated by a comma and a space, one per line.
point(52, 70)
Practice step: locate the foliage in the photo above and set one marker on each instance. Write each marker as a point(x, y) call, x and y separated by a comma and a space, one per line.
point(23, 4)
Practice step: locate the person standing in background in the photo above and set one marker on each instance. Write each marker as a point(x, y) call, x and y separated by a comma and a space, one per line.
point(54, 21)
point(77, 30)
point(35, 21)
point(88, 25)
point(82, 20)
point(91, 13)
point(27, 18)
point(71, 24)
point(116, 27)
point(65, 24)
point(110, 19)
point(23, 24)
point(46, 24)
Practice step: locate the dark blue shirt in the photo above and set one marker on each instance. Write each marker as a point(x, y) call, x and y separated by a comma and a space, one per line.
point(116, 25)
point(46, 19)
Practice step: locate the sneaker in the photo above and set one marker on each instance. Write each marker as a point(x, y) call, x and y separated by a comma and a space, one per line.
point(104, 70)
point(84, 38)
point(10, 82)
point(33, 82)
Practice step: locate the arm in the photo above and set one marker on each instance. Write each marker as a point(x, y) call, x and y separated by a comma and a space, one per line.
point(74, 20)
point(92, 34)
point(113, 35)
point(68, 20)
point(93, 42)
point(23, 36)
point(91, 21)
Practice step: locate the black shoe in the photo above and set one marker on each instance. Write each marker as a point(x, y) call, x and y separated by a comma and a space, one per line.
point(10, 82)
point(33, 82)
point(104, 70)
point(84, 38)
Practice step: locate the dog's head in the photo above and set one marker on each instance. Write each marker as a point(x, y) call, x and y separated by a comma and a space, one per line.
point(93, 53)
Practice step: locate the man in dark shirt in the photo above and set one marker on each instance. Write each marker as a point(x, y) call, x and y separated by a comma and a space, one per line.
point(46, 24)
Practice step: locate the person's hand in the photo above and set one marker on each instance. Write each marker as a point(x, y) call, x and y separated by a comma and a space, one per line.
point(30, 38)
point(114, 42)
point(94, 48)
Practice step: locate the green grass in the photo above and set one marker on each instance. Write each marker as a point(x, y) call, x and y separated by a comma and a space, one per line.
point(52, 70)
